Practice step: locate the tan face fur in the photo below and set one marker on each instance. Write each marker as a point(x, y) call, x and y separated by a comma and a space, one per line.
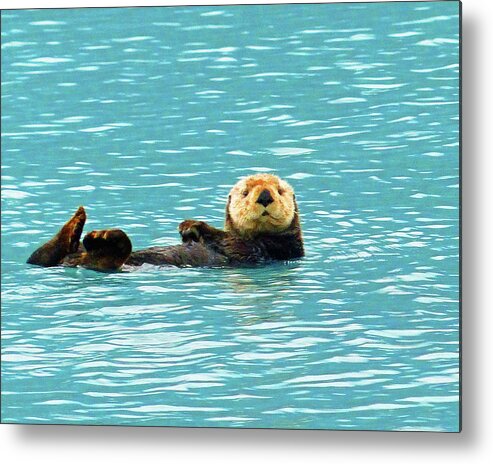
point(262, 203)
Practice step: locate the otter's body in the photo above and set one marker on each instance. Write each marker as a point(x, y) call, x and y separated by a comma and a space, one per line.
point(192, 254)
point(262, 225)
point(224, 249)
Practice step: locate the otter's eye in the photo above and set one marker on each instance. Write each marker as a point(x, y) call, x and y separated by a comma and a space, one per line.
point(244, 193)
point(280, 191)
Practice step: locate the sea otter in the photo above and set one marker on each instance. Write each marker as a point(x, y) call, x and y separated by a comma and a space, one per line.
point(262, 224)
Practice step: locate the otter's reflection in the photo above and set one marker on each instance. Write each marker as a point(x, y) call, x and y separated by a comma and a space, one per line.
point(262, 294)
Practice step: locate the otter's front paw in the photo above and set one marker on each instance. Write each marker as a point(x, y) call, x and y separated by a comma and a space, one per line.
point(191, 231)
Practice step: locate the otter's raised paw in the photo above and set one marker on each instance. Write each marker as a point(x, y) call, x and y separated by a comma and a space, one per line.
point(72, 230)
point(191, 230)
point(65, 242)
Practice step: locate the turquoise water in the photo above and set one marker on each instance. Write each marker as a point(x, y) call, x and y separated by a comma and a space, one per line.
point(149, 116)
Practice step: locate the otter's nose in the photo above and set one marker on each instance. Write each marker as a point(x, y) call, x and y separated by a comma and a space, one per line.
point(265, 198)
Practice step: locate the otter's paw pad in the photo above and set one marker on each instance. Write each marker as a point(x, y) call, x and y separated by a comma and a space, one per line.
point(111, 240)
point(190, 230)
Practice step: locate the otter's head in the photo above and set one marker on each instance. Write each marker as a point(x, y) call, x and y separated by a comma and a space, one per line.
point(259, 204)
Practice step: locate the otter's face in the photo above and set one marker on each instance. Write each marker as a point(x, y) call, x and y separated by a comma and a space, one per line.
point(262, 203)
